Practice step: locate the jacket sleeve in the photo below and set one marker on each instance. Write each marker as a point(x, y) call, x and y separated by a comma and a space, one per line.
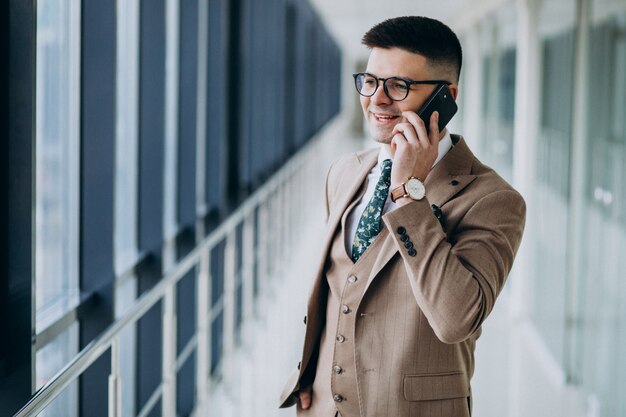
point(456, 283)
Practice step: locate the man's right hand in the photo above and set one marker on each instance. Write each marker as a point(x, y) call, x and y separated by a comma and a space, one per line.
point(305, 397)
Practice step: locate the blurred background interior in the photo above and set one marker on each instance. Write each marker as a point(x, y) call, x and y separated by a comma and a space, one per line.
point(163, 164)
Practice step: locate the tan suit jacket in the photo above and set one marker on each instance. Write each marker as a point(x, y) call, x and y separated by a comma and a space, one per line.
point(420, 311)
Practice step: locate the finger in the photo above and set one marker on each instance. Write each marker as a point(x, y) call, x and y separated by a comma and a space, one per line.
point(394, 146)
point(434, 128)
point(398, 142)
point(407, 130)
point(419, 127)
point(305, 398)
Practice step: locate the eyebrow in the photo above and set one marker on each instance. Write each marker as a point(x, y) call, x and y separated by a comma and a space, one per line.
point(412, 81)
point(403, 77)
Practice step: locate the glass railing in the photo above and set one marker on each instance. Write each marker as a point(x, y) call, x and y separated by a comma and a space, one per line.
point(251, 245)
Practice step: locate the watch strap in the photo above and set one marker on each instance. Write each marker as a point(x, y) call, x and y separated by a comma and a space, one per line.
point(398, 192)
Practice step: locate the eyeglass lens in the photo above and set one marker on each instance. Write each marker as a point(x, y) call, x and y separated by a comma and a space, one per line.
point(396, 88)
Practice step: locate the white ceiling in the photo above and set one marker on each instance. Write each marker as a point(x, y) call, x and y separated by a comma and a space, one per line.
point(348, 20)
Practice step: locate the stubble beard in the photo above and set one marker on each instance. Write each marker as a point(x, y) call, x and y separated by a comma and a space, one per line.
point(382, 136)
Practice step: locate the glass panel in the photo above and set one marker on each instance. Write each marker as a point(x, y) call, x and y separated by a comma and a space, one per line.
point(239, 307)
point(499, 92)
point(57, 153)
point(126, 135)
point(552, 208)
point(217, 306)
point(602, 334)
point(126, 189)
point(50, 360)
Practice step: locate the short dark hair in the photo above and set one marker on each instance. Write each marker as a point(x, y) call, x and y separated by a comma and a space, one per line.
point(420, 35)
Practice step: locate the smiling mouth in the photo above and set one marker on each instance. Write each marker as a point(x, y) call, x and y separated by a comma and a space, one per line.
point(384, 118)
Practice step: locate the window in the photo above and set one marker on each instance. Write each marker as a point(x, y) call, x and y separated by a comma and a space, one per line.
point(499, 92)
point(601, 334)
point(57, 189)
point(57, 160)
point(552, 204)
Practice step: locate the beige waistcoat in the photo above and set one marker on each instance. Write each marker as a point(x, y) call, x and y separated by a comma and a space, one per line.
point(336, 371)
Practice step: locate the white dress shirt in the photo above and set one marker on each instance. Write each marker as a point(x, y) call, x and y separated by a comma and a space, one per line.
point(352, 222)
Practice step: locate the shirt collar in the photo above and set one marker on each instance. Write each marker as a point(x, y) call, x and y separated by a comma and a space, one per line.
point(445, 144)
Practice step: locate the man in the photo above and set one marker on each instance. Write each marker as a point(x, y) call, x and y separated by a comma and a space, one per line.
point(406, 279)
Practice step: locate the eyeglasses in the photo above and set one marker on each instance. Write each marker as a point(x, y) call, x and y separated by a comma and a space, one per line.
point(396, 88)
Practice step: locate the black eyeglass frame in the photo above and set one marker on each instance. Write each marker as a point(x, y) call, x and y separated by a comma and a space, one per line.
point(409, 83)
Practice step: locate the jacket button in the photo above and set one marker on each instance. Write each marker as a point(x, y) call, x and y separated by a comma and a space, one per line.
point(345, 309)
point(454, 182)
point(408, 245)
point(401, 230)
point(412, 252)
point(352, 279)
point(404, 238)
point(341, 339)
point(338, 398)
point(337, 369)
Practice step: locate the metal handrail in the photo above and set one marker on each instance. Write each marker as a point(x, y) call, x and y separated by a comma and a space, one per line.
point(94, 350)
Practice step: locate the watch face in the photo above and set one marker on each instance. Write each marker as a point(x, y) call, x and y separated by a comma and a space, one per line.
point(415, 189)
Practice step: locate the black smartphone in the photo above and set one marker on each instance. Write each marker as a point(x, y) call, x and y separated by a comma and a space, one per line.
point(441, 100)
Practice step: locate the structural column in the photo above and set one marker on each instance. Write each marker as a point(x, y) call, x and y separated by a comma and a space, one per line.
point(526, 130)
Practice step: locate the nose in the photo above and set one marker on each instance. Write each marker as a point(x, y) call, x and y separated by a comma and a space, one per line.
point(380, 96)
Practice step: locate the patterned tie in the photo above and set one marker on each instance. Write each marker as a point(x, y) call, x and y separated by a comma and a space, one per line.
point(369, 224)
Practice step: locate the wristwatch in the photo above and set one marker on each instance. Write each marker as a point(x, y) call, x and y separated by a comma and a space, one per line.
point(412, 188)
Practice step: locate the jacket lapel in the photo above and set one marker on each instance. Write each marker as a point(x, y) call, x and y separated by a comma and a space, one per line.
point(348, 186)
point(451, 175)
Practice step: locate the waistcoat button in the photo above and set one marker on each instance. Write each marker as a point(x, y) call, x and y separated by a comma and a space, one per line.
point(352, 279)
point(345, 309)
point(337, 369)
point(341, 339)
point(338, 398)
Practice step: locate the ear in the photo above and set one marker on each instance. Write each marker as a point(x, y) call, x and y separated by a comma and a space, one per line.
point(454, 90)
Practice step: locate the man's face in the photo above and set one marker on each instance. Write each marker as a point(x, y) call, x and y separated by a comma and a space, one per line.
point(382, 113)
